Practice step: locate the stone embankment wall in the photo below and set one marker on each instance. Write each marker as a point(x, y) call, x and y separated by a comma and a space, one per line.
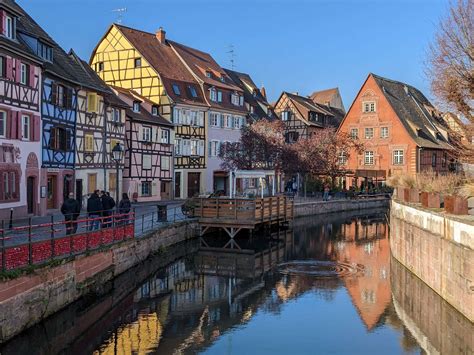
point(311, 208)
point(439, 249)
point(28, 299)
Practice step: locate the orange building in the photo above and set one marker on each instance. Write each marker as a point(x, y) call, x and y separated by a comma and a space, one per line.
point(401, 130)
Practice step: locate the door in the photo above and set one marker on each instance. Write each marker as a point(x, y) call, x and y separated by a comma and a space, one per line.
point(165, 190)
point(177, 185)
point(194, 182)
point(51, 199)
point(79, 190)
point(30, 194)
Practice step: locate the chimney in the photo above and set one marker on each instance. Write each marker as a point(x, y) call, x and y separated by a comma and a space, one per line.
point(263, 92)
point(161, 35)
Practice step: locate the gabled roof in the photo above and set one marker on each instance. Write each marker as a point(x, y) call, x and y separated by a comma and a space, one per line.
point(323, 96)
point(415, 111)
point(168, 65)
point(143, 115)
point(306, 105)
point(252, 94)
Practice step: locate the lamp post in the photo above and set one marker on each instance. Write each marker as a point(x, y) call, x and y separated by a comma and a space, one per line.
point(117, 155)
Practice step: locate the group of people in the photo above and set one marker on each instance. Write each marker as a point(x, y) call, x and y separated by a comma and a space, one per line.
point(100, 206)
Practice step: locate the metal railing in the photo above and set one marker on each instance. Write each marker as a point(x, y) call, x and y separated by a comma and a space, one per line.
point(162, 217)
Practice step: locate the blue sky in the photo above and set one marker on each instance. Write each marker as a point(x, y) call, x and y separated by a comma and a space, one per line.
point(292, 45)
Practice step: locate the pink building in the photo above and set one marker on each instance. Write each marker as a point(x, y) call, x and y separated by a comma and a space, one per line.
point(149, 142)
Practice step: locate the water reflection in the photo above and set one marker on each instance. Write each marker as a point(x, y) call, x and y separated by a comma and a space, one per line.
point(323, 288)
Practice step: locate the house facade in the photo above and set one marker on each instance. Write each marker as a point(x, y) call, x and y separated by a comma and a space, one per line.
point(20, 122)
point(400, 129)
point(149, 145)
point(227, 112)
point(148, 64)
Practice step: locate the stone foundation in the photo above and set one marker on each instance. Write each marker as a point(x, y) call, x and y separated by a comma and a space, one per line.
point(312, 208)
point(29, 299)
point(437, 248)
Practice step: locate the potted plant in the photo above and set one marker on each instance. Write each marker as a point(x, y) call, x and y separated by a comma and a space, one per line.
point(428, 185)
point(393, 181)
point(456, 202)
point(410, 191)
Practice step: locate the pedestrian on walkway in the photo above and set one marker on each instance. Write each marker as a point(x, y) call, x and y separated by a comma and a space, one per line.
point(71, 209)
point(124, 207)
point(108, 204)
point(326, 193)
point(94, 210)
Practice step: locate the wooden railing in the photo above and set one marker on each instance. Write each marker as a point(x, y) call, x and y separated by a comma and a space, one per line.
point(244, 210)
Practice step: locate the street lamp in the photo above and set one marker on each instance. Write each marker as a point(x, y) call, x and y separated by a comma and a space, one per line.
point(117, 155)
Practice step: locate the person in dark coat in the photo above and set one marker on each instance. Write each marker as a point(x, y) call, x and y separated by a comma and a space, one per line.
point(108, 204)
point(94, 209)
point(71, 209)
point(124, 207)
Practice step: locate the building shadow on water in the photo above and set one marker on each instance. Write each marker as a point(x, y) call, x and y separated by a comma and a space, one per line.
point(187, 298)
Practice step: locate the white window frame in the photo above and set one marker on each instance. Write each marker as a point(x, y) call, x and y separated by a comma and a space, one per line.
point(116, 115)
point(369, 157)
point(219, 96)
point(136, 106)
point(384, 132)
point(369, 106)
point(26, 123)
point(354, 133)
point(234, 98)
point(342, 158)
point(367, 130)
point(9, 27)
point(213, 94)
point(146, 134)
point(214, 148)
point(165, 163)
point(194, 147)
point(23, 74)
point(398, 157)
point(165, 136)
point(3, 124)
point(285, 115)
point(178, 146)
point(149, 189)
point(146, 162)
point(214, 119)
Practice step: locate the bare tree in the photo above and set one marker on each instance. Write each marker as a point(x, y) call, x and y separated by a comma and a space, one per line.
point(450, 61)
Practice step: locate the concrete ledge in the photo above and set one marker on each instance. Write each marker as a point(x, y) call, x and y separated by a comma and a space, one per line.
point(311, 208)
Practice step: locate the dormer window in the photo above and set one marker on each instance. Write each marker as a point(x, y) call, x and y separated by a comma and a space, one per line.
point(136, 106)
point(368, 106)
point(222, 79)
point(137, 62)
point(241, 101)
point(285, 116)
point(208, 74)
point(176, 90)
point(24, 73)
point(234, 98)
point(154, 110)
point(9, 27)
point(45, 51)
point(192, 91)
point(213, 94)
point(219, 96)
point(100, 66)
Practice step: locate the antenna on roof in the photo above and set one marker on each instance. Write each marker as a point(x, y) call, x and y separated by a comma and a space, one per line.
point(231, 53)
point(120, 13)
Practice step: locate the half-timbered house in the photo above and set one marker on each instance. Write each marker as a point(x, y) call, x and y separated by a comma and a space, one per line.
point(100, 125)
point(302, 116)
point(20, 130)
point(148, 171)
point(227, 113)
point(148, 64)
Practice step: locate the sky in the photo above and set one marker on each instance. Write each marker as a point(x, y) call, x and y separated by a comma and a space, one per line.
point(286, 45)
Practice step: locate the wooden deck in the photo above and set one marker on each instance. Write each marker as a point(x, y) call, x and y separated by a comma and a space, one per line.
point(234, 214)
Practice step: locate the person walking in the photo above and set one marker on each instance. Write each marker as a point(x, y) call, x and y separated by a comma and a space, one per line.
point(94, 210)
point(71, 209)
point(124, 207)
point(326, 193)
point(108, 204)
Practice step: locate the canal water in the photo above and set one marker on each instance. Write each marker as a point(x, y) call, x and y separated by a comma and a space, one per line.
point(328, 286)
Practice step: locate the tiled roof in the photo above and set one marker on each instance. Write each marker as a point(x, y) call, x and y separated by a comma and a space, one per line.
point(324, 96)
point(164, 60)
point(415, 112)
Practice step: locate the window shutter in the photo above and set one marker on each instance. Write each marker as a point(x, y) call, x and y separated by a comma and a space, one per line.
point(31, 76)
point(154, 188)
point(140, 189)
point(68, 140)
point(54, 93)
point(17, 70)
point(9, 68)
point(2, 20)
point(201, 148)
point(8, 133)
point(32, 128)
point(200, 118)
point(19, 133)
point(69, 95)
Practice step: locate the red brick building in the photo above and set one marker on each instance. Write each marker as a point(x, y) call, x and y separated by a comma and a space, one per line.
point(401, 130)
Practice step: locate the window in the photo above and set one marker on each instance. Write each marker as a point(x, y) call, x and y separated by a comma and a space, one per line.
point(165, 136)
point(234, 98)
point(60, 96)
point(369, 133)
point(92, 102)
point(369, 158)
point(9, 31)
point(444, 159)
point(214, 148)
point(398, 157)
point(433, 160)
point(241, 101)
point(3, 124)
point(26, 126)
point(89, 142)
point(193, 91)
point(146, 161)
point(237, 122)
point(45, 51)
point(213, 94)
point(384, 132)
point(154, 110)
point(219, 96)
point(24, 73)
point(215, 119)
point(194, 147)
point(146, 188)
point(59, 139)
point(100, 66)
point(3, 67)
point(354, 133)
point(116, 115)
point(368, 106)
point(208, 74)
point(137, 62)
point(291, 137)
point(229, 121)
point(342, 158)
point(285, 116)
point(165, 163)
point(112, 181)
point(146, 134)
point(177, 146)
point(136, 106)
point(176, 89)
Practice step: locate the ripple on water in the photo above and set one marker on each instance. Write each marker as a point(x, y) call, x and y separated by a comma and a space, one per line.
point(320, 268)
